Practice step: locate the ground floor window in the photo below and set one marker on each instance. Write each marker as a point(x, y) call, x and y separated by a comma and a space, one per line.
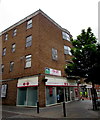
point(59, 94)
point(27, 96)
point(51, 97)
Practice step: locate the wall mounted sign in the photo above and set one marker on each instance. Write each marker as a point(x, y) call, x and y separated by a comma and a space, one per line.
point(27, 82)
point(52, 72)
point(56, 81)
point(4, 90)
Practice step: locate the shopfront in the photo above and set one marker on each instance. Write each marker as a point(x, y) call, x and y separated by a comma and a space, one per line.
point(27, 91)
point(59, 89)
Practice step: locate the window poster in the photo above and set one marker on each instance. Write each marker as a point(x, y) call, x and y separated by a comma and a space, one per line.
point(4, 90)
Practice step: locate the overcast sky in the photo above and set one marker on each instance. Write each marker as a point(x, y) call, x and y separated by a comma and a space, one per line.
point(73, 15)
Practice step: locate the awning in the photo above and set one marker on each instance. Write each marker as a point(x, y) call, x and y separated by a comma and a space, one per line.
point(27, 82)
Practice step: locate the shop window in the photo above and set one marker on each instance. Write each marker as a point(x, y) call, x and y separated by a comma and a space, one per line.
point(11, 66)
point(65, 36)
point(28, 61)
point(29, 41)
point(13, 47)
point(67, 50)
point(4, 52)
point(54, 54)
point(50, 91)
point(27, 96)
point(29, 24)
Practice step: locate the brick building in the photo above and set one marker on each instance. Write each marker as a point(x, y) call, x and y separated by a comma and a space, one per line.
point(34, 53)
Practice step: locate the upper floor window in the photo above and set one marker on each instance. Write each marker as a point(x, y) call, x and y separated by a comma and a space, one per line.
point(29, 24)
point(6, 36)
point(15, 32)
point(11, 66)
point(65, 36)
point(67, 50)
point(4, 52)
point(13, 47)
point(54, 54)
point(28, 61)
point(29, 41)
point(2, 68)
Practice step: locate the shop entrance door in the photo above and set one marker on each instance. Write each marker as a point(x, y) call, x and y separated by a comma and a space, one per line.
point(60, 93)
point(27, 96)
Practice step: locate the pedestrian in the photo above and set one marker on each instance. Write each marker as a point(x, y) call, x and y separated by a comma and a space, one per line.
point(58, 98)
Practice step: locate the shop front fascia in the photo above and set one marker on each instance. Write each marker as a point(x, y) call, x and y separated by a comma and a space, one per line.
point(27, 94)
point(59, 89)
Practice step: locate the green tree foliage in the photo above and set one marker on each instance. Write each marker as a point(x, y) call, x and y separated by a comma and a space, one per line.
point(86, 60)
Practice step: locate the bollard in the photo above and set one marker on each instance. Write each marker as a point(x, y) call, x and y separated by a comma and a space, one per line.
point(37, 107)
point(64, 109)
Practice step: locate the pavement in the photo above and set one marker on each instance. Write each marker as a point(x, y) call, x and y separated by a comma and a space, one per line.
point(77, 109)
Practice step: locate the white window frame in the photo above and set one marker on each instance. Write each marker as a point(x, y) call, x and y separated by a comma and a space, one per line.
point(67, 50)
point(65, 36)
point(11, 66)
point(2, 68)
point(4, 52)
point(54, 54)
point(28, 61)
point(29, 23)
point(13, 47)
point(6, 36)
point(28, 41)
point(15, 32)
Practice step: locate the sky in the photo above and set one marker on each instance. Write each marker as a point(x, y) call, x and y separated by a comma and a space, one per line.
point(73, 15)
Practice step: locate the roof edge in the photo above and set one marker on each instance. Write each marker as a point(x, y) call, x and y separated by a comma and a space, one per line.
point(29, 17)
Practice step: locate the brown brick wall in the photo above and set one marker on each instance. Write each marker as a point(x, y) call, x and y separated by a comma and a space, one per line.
point(42, 91)
point(21, 50)
point(45, 37)
point(0, 56)
point(51, 37)
point(11, 92)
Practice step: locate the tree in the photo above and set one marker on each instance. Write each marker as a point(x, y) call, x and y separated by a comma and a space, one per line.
point(86, 59)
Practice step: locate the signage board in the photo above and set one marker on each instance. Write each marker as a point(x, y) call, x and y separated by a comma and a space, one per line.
point(51, 71)
point(4, 90)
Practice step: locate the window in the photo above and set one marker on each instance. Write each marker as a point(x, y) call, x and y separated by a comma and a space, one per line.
point(28, 61)
point(54, 54)
point(2, 68)
point(67, 50)
point(13, 47)
point(6, 36)
point(11, 66)
point(29, 24)
point(4, 90)
point(28, 41)
point(4, 52)
point(15, 32)
point(65, 36)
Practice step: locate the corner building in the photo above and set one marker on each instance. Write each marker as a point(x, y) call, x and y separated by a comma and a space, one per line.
point(34, 53)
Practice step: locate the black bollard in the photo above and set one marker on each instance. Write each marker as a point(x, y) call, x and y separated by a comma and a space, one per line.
point(37, 107)
point(64, 109)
